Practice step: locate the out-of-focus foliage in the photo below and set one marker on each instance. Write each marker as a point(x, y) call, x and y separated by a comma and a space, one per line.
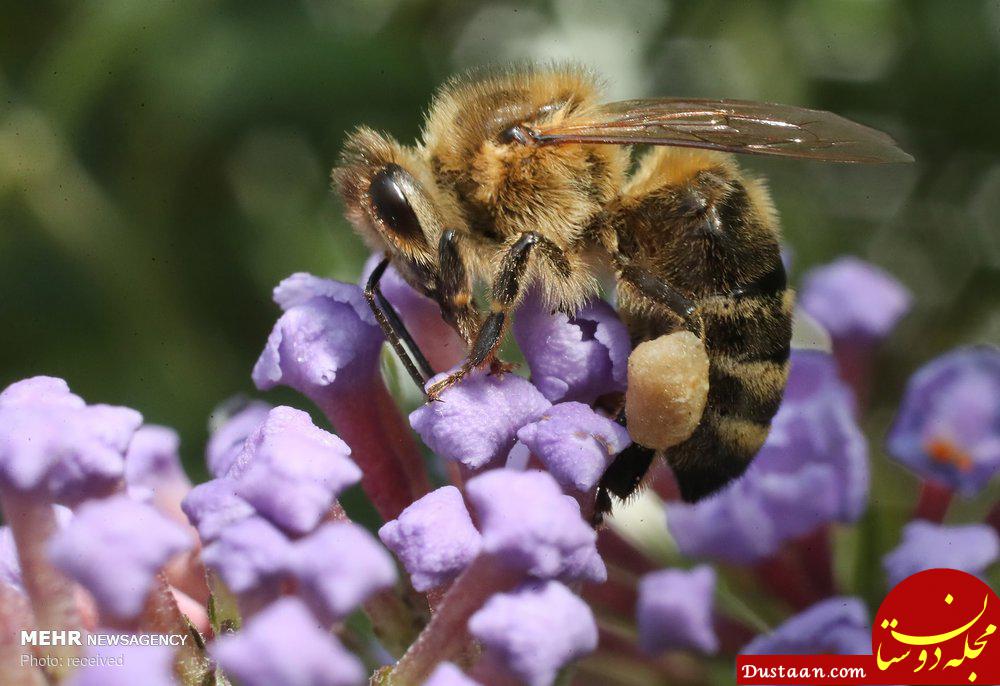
point(164, 164)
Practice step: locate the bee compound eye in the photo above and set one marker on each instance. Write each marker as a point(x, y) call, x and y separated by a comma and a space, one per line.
point(390, 204)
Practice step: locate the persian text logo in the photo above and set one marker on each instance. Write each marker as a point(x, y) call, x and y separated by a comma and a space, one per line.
point(937, 627)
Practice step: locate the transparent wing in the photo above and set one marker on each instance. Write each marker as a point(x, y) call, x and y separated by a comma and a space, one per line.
point(729, 125)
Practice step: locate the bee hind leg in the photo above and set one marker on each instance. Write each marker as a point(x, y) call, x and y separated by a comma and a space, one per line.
point(622, 478)
point(507, 287)
point(663, 293)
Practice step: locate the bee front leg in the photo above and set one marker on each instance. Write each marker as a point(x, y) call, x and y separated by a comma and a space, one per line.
point(506, 288)
point(395, 331)
point(454, 289)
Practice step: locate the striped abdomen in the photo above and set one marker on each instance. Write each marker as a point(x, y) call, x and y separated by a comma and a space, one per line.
point(747, 337)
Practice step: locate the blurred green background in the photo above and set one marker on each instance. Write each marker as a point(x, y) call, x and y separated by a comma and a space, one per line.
point(164, 164)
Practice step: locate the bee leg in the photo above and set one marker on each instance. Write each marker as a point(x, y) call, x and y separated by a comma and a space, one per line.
point(454, 289)
point(626, 472)
point(506, 289)
point(622, 477)
point(661, 292)
point(395, 331)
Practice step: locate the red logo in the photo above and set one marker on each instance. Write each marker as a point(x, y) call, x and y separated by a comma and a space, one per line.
point(938, 627)
point(935, 627)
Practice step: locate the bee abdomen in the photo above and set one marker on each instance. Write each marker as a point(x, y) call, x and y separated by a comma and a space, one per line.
point(747, 342)
point(742, 399)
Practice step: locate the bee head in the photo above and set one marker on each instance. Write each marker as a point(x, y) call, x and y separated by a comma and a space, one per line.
point(391, 200)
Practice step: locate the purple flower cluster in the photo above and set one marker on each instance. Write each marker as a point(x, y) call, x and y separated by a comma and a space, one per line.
point(141, 540)
point(271, 522)
point(55, 446)
point(812, 470)
point(102, 563)
point(503, 579)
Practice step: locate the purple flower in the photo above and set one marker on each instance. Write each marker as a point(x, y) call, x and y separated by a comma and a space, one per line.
point(852, 298)
point(675, 610)
point(813, 469)
point(40, 390)
point(339, 566)
point(231, 427)
point(574, 443)
point(214, 505)
point(54, 444)
point(573, 358)
point(971, 548)
point(838, 626)
point(285, 645)
point(326, 339)
point(153, 471)
point(327, 346)
point(10, 566)
point(114, 548)
point(476, 421)
point(535, 630)
point(447, 674)
point(291, 471)
point(434, 538)
point(249, 555)
point(948, 426)
point(529, 523)
point(126, 666)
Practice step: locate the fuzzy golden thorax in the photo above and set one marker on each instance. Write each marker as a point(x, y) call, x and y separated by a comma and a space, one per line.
point(507, 188)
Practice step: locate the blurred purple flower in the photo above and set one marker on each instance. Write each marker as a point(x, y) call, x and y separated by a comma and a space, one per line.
point(55, 445)
point(153, 471)
point(579, 357)
point(838, 626)
point(126, 666)
point(674, 611)
point(231, 427)
point(45, 391)
point(285, 645)
point(434, 538)
point(291, 471)
point(536, 630)
point(10, 567)
point(574, 443)
point(114, 548)
point(948, 426)
point(476, 421)
point(971, 548)
point(327, 338)
point(447, 674)
point(338, 567)
point(528, 523)
point(214, 505)
point(813, 469)
point(852, 298)
point(249, 555)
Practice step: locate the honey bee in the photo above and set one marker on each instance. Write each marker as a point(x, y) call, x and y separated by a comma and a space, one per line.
point(523, 177)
